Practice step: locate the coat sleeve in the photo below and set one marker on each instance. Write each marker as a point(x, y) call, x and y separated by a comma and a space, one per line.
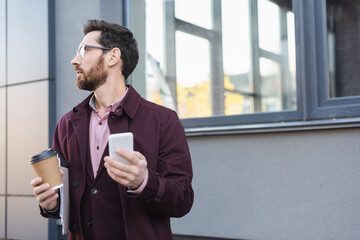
point(169, 191)
point(60, 140)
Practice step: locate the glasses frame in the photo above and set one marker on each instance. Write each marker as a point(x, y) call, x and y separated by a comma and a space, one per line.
point(81, 51)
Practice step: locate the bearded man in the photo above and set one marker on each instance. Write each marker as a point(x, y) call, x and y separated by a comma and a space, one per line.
point(109, 199)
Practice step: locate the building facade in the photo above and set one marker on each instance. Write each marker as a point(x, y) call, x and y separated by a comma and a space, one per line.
point(267, 90)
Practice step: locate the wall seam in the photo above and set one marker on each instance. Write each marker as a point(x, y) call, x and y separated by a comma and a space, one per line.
point(6, 117)
point(27, 82)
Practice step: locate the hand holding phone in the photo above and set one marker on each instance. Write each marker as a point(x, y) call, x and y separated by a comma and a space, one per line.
point(121, 140)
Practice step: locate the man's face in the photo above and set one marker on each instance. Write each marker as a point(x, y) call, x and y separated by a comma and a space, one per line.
point(92, 79)
point(90, 69)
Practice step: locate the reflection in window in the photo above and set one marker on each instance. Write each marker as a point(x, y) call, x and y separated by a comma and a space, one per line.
point(270, 85)
point(221, 57)
point(343, 26)
point(192, 78)
point(188, 10)
point(269, 26)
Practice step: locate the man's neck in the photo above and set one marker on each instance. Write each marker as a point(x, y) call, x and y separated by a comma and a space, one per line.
point(106, 95)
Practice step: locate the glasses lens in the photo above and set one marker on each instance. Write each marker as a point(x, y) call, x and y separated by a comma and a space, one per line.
point(82, 51)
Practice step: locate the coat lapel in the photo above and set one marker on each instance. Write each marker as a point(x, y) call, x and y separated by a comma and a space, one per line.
point(119, 122)
point(80, 120)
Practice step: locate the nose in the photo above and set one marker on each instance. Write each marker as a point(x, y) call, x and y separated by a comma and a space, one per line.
point(76, 60)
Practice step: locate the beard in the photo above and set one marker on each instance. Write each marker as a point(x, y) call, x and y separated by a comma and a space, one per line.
point(94, 78)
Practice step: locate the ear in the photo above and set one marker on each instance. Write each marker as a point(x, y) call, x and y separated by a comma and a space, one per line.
point(114, 56)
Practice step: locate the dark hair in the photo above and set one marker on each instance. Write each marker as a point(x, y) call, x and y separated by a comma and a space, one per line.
point(114, 35)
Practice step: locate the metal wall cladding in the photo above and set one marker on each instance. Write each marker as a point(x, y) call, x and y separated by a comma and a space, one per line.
point(28, 129)
point(27, 45)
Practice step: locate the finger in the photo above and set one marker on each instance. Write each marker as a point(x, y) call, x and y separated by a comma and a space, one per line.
point(118, 169)
point(139, 155)
point(142, 160)
point(111, 163)
point(46, 196)
point(49, 201)
point(120, 177)
point(36, 181)
point(130, 156)
point(137, 165)
point(40, 189)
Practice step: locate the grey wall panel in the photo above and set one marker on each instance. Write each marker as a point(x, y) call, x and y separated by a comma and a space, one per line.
point(111, 11)
point(2, 141)
point(138, 22)
point(295, 185)
point(68, 24)
point(69, 21)
point(27, 132)
point(24, 220)
point(27, 40)
point(2, 217)
point(2, 43)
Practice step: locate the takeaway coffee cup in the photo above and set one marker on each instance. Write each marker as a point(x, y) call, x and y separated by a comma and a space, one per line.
point(46, 166)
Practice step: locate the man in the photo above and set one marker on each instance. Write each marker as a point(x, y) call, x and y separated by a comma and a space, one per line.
point(111, 200)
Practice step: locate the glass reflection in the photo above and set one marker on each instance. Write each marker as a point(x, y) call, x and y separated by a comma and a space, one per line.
point(343, 38)
point(188, 10)
point(193, 85)
point(269, 26)
point(215, 60)
point(270, 86)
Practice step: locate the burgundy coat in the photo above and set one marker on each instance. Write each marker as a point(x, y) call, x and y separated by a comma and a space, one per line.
point(159, 136)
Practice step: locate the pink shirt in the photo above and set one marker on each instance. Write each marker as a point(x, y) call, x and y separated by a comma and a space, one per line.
point(98, 136)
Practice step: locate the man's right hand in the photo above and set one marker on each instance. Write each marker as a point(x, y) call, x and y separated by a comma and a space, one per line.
point(46, 196)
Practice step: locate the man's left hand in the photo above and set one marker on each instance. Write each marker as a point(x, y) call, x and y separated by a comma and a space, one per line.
point(130, 176)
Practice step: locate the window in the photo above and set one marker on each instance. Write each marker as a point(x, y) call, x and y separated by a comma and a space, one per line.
point(205, 60)
point(241, 62)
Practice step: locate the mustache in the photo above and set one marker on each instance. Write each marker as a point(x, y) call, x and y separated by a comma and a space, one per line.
point(78, 69)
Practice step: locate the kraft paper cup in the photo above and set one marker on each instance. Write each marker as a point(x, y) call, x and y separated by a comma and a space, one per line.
point(46, 166)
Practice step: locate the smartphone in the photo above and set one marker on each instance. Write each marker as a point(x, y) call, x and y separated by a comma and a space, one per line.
point(120, 140)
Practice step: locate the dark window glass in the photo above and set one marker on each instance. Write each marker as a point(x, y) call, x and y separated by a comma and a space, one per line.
point(343, 37)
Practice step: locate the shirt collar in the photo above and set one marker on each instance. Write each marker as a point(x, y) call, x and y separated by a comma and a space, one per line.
point(112, 107)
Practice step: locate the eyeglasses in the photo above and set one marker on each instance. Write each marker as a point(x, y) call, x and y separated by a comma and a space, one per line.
point(81, 51)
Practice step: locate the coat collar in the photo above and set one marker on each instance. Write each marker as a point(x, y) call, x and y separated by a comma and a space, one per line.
point(129, 104)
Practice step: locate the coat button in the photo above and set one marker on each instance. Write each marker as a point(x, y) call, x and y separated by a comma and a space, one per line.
point(94, 190)
point(76, 184)
point(89, 223)
point(76, 226)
